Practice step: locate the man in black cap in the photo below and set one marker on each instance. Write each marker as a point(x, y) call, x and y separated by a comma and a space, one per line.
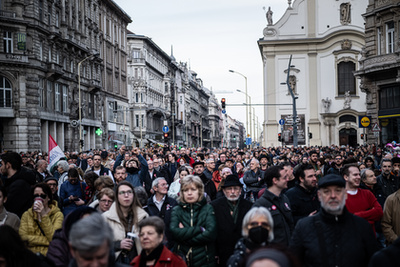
point(53, 183)
point(229, 212)
point(334, 236)
point(263, 163)
point(209, 186)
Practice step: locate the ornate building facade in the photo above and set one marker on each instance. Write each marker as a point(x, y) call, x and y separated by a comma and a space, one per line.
point(380, 70)
point(325, 39)
point(51, 51)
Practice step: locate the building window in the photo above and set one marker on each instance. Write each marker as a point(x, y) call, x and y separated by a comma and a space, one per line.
point(379, 41)
point(41, 93)
point(5, 93)
point(57, 101)
point(137, 120)
point(389, 37)
point(137, 97)
point(72, 66)
point(49, 98)
point(8, 42)
point(41, 10)
point(41, 51)
point(49, 15)
point(57, 19)
point(347, 118)
point(346, 79)
point(388, 98)
point(65, 98)
point(50, 55)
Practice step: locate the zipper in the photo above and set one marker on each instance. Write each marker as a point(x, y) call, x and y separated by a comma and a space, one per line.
point(191, 215)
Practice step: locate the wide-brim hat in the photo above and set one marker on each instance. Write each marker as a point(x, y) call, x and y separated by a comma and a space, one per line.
point(232, 180)
point(51, 179)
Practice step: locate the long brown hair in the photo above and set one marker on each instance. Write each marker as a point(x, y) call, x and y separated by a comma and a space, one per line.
point(132, 216)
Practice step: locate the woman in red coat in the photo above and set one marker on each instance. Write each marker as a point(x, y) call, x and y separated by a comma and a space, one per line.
point(154, 253)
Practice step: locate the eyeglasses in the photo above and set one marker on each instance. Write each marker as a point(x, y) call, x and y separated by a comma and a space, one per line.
point(52, 185)
point(262, 224)
point(164, 185)
point(129, 192)
point(43, 196)
point(106, 201)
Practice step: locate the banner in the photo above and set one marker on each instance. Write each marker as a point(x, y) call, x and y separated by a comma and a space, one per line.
point(55, 153)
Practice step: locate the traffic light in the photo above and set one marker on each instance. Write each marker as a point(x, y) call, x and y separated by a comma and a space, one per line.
point(81, 143)
point(279, 137)
point(362, 136)
point(165, 135)
point(223, 104)
point(310, 135)
point(116, 146)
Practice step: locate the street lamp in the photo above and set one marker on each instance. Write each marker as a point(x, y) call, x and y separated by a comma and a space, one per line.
point(79, 97)
point(248, 103)
point(295, 137)
point(247, 108)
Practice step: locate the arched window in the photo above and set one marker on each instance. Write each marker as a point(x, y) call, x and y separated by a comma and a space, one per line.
point(347, 118)
point(5, 93)
point(346, 79)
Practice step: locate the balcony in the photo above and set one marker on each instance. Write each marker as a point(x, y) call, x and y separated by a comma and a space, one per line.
point(95, 86)
point(54, 71)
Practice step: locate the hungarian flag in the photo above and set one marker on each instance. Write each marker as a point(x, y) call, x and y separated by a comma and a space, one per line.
point(55, 153)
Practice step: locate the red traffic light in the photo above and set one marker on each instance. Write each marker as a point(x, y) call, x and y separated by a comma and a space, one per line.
point(223, 103)
point(223, 100)
point(165, 135)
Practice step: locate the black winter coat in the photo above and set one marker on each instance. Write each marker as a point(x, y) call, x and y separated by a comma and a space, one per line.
point(348, 240)
point(19, 195)
point(209, 187)
point(388, 257)
point(195, 241)
point(302, 202)
point(228, 233)
point(281, 213)
point(164, 213)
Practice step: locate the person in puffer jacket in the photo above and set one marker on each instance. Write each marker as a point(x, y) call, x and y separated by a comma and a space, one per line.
point(193, 225)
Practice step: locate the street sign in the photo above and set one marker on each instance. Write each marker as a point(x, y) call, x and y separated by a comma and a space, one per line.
point(248, 141)
point(281, 122)
point(376, 128)
point(223, 111)
point(165, 129)
point(365, 121)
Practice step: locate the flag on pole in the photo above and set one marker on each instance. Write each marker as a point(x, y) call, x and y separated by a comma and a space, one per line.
point(55, 153)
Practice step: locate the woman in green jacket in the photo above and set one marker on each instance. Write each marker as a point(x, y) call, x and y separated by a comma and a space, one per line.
point(193, 225)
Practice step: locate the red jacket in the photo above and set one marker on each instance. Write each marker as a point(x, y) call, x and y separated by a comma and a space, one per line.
point(167, 258)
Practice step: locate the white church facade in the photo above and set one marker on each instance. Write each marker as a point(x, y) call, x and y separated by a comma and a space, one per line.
point(325, 39)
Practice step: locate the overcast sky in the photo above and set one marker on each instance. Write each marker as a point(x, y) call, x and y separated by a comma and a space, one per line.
point(213, 36)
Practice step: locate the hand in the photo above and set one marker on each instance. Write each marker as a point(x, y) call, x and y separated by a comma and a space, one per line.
point(135, 151)
point(126, 244)
point(38, 207)
point(181, 225)
point(79, 202)
point(312, 213)
point(71, 197)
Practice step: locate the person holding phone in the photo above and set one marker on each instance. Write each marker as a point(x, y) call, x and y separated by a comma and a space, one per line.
point(39, 223)
point(72, 192)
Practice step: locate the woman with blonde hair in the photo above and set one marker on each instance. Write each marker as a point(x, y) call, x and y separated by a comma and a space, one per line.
point(193, 224)
point(123, 217)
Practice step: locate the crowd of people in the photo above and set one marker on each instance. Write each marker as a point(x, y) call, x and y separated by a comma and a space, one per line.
point(276, 206)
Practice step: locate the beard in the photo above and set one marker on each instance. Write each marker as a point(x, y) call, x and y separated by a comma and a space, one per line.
point(334, 210)
point(233, 198)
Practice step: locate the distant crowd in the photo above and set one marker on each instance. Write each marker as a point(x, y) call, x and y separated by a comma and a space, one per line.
point(275, 206)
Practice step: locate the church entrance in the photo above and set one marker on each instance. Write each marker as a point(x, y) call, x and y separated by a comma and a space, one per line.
point(348, 137)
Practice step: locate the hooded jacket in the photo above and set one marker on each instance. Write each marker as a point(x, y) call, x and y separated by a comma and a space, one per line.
point(29, 229)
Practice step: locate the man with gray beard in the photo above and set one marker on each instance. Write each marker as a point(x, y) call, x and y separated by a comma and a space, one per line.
point(229, 212)
point(334, 236)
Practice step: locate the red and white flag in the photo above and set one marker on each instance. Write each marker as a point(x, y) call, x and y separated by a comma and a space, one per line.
point(55, 153)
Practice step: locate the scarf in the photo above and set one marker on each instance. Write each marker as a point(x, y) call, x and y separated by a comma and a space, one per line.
point(154, 255)
point(234, 210)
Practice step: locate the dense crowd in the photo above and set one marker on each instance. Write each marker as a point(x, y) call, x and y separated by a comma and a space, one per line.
point(276, 206)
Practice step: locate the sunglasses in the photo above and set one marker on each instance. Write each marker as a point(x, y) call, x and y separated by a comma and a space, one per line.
point(43, 196)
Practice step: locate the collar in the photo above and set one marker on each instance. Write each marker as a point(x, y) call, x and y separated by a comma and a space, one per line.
point(158, 202)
